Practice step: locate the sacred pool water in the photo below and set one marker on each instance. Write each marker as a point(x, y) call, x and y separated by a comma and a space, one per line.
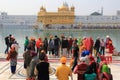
point(20, 34)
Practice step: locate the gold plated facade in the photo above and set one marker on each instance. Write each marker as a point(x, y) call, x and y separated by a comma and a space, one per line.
point(65, 15)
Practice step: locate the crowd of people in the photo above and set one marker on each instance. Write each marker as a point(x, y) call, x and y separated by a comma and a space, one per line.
point(89, 58)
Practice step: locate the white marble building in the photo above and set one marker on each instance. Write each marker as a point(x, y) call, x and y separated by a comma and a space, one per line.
point(95, 20)
point(13, 21)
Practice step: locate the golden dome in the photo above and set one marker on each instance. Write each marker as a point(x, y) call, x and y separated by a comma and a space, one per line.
point(64, 7)
point(41, 7)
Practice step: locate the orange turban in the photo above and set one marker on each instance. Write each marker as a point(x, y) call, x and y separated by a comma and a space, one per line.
point(63, 60)
point(51, 37)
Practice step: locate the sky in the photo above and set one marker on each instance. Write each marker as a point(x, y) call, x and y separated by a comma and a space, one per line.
point(82, 7)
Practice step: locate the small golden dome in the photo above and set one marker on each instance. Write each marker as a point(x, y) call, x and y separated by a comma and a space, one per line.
point(42, 8)
point(72, 7)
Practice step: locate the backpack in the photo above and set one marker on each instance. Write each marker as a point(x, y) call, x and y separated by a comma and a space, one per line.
point(91, 76)
point(51, 45)
point(56, 42)
point(6, 40)
point(106, 76)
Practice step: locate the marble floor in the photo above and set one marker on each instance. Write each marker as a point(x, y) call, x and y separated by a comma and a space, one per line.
point(5, 73)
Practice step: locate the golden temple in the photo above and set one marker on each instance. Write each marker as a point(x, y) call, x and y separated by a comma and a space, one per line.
point(65, 15)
